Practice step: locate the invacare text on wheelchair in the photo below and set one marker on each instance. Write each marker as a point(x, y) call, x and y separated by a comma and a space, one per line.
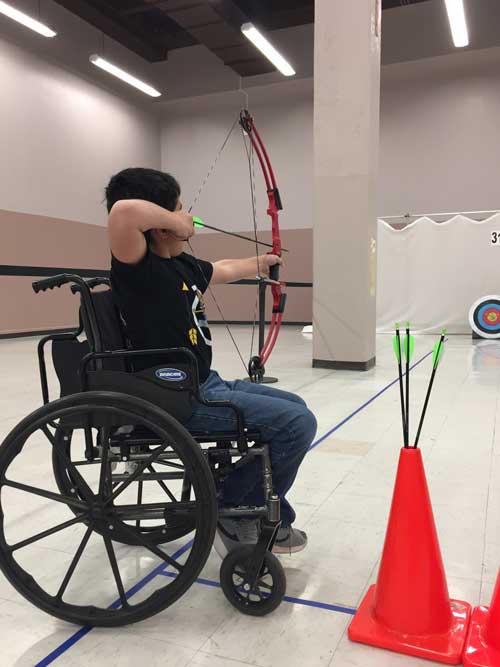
point(124, 499)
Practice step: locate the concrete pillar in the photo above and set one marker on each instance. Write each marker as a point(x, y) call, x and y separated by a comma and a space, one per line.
point(346, 143)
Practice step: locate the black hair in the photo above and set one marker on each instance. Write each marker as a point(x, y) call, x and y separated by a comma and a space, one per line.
point(140, 183)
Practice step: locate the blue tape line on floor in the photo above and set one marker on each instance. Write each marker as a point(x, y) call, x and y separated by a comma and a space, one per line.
point(365, 405)
point(161, 569)
point(303, 601)
point(80, 634)
point(62, 648)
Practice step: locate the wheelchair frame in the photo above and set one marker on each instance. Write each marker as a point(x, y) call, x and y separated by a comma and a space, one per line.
point(230, 451)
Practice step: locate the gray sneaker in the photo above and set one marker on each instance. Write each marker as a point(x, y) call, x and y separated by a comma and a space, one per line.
point(289, 541)
point(233, 533)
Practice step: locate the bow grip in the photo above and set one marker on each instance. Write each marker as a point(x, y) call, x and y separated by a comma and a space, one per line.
point(274, 272)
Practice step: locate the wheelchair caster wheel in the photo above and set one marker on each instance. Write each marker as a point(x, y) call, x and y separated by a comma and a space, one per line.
point(267, 593)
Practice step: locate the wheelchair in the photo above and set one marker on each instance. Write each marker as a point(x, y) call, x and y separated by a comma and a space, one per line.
point(128, 479)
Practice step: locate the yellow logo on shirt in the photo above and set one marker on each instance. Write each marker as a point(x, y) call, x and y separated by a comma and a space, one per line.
point(185, 288)
point(193, 336)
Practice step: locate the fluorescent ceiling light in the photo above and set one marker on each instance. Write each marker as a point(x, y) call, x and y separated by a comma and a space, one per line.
point(26, 20)
point(458, 24)
point(124, 76)
point(258, 39)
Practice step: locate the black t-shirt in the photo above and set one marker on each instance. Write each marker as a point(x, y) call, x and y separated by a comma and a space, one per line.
point(161, 301)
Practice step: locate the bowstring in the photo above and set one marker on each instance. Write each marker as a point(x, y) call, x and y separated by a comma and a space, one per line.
point(211, 292)
point(213, 165)
point(207, 282)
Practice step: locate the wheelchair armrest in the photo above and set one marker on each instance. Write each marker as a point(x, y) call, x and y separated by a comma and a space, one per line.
point(240, 422)
point(130, 354)
point(193, 363)
point(91, 284)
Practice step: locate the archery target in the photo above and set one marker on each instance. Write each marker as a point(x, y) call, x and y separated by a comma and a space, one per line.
point(484, 316)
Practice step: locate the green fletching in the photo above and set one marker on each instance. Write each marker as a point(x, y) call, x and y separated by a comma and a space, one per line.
point(438, 353)
point(198, 222)
point(396, 344)
point(411, 347)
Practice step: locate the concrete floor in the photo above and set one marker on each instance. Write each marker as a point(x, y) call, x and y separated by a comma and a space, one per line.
point(342, 497)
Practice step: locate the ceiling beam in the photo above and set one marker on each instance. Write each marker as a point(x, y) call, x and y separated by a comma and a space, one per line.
point(144, 8)
point(217, 25)
point(105, 21)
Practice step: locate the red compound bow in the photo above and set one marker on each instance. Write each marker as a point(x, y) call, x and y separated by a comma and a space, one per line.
point(256, 365)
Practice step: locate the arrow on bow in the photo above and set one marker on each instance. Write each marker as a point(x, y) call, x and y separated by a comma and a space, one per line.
point(256, 365)
point(198, 222)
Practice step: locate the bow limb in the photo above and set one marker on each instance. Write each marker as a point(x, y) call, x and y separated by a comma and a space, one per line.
point(274, 207)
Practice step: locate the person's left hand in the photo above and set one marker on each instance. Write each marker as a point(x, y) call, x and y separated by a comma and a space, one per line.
point(268, 260)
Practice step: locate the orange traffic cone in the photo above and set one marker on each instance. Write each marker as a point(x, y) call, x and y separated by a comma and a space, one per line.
point(483, 642)
point(409, 609)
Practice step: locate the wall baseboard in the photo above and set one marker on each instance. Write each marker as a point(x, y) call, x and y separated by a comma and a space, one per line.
point(46, 332)
point(29, 334)
point(250, 322)
point(345, 365)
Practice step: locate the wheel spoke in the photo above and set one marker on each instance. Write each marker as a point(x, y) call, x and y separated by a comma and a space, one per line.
point(151, 547)
point(73, 564)
point(116, 571)
point(66, 500)
point(137, 473)
point(163, 486)
point(83, 487)
point(262, 584)
point(47, 533)
point(104, 461)
point(139, 501)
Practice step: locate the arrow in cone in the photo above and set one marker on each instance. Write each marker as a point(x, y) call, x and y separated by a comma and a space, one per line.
point(436, 358)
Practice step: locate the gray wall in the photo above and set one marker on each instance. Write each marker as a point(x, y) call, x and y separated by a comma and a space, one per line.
point(62, 137)
point(439, 142)
point(439, 135)
point(194, 129)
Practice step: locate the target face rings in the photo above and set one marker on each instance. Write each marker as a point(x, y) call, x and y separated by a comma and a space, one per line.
point(484, 316)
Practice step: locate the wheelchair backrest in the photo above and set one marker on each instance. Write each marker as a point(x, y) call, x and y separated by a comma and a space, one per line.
point(168, 388)
point(110, 334)
point(67, 354)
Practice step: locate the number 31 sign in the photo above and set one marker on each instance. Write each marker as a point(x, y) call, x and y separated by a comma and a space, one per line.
point(495, 238)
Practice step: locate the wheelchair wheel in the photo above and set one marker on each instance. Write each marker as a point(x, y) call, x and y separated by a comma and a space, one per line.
point(173, 529)
point(268, 592)
point(77, 564)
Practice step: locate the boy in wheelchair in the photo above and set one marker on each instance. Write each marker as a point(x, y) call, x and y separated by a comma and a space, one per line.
point(158, 289)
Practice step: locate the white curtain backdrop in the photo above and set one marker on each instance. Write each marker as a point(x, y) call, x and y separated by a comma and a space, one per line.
point(431, 273)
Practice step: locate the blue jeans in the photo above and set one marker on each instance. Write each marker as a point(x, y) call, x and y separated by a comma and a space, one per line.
point(285, 423)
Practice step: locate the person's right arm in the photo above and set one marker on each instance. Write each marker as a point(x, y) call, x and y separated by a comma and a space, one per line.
point(130, 218)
